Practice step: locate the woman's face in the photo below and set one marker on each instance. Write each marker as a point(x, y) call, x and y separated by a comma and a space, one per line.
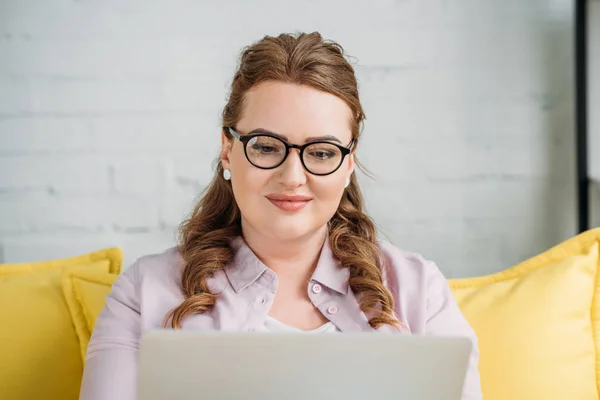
point(300, 114)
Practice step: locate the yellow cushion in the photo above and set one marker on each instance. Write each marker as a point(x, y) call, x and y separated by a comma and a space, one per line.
point(537, 324)
point(40, 355)
point(85, 291)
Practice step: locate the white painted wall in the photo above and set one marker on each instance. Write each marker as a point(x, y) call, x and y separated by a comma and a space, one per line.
point(109, 120)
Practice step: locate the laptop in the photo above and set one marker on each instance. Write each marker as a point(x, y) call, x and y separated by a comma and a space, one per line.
point(184, 365)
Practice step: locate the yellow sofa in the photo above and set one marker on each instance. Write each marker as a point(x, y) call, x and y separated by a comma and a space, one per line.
point(47, 311)
point(537, 323)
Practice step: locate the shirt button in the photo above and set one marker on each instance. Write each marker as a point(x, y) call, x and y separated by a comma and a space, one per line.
point(268, 277)
point(316, 288)
point(332, 310)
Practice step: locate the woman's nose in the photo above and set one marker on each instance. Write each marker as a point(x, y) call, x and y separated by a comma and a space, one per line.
point(292, 170)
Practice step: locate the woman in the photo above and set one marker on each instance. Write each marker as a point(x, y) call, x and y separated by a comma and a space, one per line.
point(279, 240)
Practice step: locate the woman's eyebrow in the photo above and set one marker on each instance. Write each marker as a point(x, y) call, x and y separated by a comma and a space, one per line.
point(326, 138)
point(310, 139)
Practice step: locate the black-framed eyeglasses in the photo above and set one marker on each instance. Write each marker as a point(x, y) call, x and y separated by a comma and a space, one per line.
point(267, 151)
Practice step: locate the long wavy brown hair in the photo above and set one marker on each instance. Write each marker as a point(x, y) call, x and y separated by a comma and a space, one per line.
point(304, 59)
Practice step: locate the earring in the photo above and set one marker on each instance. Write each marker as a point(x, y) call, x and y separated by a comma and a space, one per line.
point(227, 174)
point(347, 182)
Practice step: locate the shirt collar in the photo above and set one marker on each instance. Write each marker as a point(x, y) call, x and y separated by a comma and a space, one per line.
point(330, 271)
point(246, 268)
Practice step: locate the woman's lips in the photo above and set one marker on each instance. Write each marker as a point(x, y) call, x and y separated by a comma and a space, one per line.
point(289, 205)
point(289, 202)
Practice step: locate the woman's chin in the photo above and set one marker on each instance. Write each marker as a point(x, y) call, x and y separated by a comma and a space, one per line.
point(285, 228)
point(289, 230)
point(289, 234)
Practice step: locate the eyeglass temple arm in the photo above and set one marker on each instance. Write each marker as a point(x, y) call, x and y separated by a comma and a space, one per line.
point(234, 133)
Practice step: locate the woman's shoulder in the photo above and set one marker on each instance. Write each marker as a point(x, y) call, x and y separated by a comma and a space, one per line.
point(397, 257)
point(159, 265)
point(407, 268)
point(164, 271)
point(421, 292)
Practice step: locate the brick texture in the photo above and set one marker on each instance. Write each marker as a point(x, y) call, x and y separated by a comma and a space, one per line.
point(109, 120)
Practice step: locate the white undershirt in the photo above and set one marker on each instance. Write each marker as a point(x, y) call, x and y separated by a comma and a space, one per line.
point(273, 325)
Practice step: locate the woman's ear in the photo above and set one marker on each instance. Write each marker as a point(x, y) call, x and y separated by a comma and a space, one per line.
point(225, 150)
point(351, 164)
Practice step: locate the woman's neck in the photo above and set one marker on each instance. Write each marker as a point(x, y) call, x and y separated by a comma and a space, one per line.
point(291, 260)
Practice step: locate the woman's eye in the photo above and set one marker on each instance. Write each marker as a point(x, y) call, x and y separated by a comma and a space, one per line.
point(265, 149)
point(322, 155)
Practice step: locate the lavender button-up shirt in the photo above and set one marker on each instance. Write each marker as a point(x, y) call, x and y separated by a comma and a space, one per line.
point(145, 292)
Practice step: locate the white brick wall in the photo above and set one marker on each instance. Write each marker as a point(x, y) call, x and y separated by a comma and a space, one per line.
point(109, 120)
